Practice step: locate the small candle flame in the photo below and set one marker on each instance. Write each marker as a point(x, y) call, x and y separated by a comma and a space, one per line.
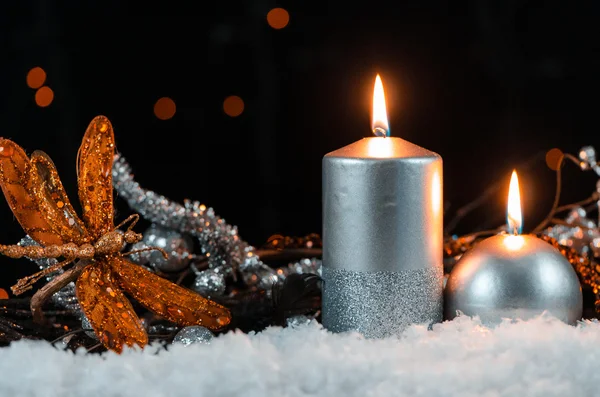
point(379, 125)
point(514, 218)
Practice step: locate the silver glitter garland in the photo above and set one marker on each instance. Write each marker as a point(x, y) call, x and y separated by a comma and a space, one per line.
point(580, 232)
point(219, 242)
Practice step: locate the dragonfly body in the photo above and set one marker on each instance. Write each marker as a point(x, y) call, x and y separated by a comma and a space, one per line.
point(109, 243)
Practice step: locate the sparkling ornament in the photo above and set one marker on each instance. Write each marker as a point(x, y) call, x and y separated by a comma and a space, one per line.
point(587, 155)
point(193, 335)
point(579, 232)
point(179, 248)
point(306, 265)
point(296, 321)
point(209, 283)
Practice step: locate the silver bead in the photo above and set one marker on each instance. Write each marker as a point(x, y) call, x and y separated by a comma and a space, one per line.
point(193, 335)
point(179, 247)
point(587, 155)
point(296, 321)
point(576, 215)
point(494, 281)
point(209, 283)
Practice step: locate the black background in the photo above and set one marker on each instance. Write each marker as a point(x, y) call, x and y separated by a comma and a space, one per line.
point(487, 85)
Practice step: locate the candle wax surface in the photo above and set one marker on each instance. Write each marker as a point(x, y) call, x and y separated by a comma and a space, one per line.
point(382, 148)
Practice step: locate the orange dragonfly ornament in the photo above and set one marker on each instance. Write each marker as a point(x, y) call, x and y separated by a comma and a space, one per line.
point(38, 200)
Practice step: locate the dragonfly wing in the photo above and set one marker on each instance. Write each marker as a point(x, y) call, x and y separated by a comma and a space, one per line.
point(18, 188)
point(169, 300)
point(94, 170)
point(110, 313)
point(53, 203)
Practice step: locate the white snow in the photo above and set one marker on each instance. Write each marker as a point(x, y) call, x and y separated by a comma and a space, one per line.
point(540, 357)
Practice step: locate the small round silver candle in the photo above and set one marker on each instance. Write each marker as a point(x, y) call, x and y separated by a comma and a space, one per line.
point(382, 236)
point(513, 276)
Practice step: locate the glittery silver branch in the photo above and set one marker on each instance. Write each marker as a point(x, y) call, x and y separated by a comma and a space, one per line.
point(220, 243)
point(578, 230)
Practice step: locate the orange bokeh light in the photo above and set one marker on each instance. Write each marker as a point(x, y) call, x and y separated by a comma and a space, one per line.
point(44, 96)
point(233, 105)
point(36, 77)
point(278, 18)
point(3, 294)
point(164, 108)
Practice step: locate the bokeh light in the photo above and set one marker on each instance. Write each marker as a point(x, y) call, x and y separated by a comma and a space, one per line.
point(233, 105)
point(3, 294)
point(553, 158)
point(278, 18)
point(44, 96)
point(36, 77)
point(165, 108)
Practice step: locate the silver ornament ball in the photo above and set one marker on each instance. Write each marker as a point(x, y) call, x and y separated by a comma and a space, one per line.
point(587, 155)
point(193, 335)
point(515, 277)
point(209, 283)
point(297, 321)
point(179, 247)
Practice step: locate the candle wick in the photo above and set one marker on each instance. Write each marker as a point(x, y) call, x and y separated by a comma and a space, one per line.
point(378, 131)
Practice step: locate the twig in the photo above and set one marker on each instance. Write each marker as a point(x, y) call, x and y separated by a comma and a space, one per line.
point(489, 192)
point(59, 282)
point(592, 199)
point(97, 345)
point(565, 223)
point(555, 206)
point(182, 276)
point(288, 254)
point(550, 215)
point(27, 312)
point(12, 325)
point(485, 232)
point(69, 334)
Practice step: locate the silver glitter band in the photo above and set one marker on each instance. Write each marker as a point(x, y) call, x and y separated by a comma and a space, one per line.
point(380, 304)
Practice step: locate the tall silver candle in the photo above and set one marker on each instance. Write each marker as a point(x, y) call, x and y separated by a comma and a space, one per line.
point(382, 233)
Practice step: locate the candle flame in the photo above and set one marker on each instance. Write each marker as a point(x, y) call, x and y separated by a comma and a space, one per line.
point(514, 218)
point(379, 125)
